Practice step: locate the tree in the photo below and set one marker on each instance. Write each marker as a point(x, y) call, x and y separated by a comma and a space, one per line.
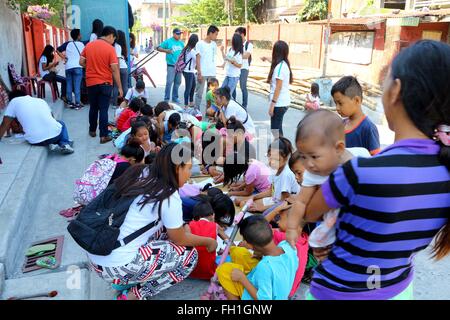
point(314, 10)
point(205, 12)
point(56, 5)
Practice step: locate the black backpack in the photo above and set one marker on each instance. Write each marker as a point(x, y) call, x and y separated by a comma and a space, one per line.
point(97, 227)
point(250, 57)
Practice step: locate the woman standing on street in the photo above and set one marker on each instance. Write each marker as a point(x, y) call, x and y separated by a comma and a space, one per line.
point(280, 77)
point(190, 60)
point(122, 56)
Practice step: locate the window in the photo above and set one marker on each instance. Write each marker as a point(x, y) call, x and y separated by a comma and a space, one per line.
point(432, 35)
point(161, 13)
point(394, 4)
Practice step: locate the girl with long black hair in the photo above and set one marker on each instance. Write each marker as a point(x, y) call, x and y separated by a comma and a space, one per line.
point(233, 62)
point(97, 29)
point(47, 70)
point(190, 60)
point(280, 76)
point(164, 255)
point(122, 54)
point(395, 204)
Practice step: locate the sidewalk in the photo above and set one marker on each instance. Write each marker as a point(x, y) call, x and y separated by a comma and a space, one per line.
point(37, 185)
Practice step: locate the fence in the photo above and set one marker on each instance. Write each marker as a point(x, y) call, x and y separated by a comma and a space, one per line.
point(38, 34)
point(304, 40)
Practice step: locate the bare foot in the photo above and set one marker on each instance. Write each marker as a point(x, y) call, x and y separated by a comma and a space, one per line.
point(131, 296)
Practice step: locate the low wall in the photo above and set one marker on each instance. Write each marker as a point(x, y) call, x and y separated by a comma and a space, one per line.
point(11, 41)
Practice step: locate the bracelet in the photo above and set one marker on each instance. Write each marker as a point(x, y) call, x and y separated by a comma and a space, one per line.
point(274, 101)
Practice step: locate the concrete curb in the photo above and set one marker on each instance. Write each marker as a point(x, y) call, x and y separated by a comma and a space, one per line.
point(21, 201)
point(2, 278)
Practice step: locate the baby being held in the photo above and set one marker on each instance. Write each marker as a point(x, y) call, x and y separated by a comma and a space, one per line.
point(320, 142)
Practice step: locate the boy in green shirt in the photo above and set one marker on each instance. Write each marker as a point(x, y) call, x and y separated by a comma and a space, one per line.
point(211, 109)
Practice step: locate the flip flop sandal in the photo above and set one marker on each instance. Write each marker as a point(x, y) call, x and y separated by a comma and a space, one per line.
point(122, 296)
point(40, 249)
point(71, 212)
point(47, 262)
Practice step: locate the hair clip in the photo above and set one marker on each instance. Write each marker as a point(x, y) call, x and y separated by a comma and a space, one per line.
point(442, 134)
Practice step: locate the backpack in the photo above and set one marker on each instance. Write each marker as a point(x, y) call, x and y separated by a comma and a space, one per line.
point(181, 63)
point(95, 179)
point(250, 57)
point(97, 227)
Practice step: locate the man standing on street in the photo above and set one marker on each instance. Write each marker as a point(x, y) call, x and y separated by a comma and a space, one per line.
point(172, 47)
point(246, 60)
point(100, 60)
point(206, 62)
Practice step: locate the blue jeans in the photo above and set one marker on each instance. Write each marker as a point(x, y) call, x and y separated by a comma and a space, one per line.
point(73, 79)
point(231, 83)
point(99, 96)
point(173, 78)
point(276, 122)
point(62, 139)
point(124, 81)
point(189, 79)
point(243, 84)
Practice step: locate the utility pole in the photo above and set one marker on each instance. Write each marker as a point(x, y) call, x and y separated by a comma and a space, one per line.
point(327, 40)
point(246, 11)
point(165, 20)
point(229, 11)
point(170, 14)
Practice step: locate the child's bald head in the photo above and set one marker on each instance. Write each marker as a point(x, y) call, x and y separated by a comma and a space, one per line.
point(324, 125)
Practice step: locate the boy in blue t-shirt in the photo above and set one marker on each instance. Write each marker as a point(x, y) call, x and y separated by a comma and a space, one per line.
point(359, 130)
point(247, 278)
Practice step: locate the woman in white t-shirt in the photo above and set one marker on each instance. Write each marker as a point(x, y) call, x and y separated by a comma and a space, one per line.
point(97, 29)
point(122, 54)
point(229, 108)
point(48, 72)
point(233, 62)
point(134, 54)
point(280, 77)
point(163, 255)
point(190, 60)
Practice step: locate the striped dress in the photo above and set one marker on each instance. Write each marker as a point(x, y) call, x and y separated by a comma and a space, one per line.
point(392, 205)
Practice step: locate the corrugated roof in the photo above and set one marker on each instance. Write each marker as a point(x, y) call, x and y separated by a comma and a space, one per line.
point(366, 21)
point(374, 19)
point(292, 11)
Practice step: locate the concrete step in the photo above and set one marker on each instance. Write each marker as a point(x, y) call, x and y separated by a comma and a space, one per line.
point(74, 285)
point(19, 193)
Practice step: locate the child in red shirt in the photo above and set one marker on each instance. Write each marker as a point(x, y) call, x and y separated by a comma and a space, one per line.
point(123, 121)
point(204, 225)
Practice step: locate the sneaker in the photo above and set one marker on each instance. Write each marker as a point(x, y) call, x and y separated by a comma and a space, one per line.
point(77, 106)
point(71, 143)
point(54, 147)
point(67, 149)
point(177, 101)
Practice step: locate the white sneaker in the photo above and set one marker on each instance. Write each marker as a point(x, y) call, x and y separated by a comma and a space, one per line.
point(67, 149)
point(54, 147)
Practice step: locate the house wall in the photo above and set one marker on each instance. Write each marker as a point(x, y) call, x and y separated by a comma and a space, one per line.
point(11, 42)
point(413, 34)
point(388, 42)
point(380, 55)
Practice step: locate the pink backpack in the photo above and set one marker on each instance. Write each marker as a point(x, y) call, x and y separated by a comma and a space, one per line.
point(95, 179)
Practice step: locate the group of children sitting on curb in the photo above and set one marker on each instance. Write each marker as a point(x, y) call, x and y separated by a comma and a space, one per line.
point(263, 265)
